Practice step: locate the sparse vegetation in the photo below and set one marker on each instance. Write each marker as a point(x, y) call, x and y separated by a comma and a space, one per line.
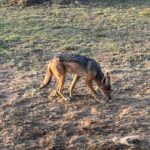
point(67, 48)
point(145, 12)
point(115, 33)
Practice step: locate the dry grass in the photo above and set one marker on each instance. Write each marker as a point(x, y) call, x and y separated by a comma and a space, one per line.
point(116, 37)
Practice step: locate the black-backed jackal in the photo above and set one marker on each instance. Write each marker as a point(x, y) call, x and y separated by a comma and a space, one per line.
point(81, 66)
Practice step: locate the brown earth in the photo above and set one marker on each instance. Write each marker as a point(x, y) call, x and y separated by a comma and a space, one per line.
point(32, 120)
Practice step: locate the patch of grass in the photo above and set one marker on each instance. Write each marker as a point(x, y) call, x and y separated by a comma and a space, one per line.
point(114, 61)
point(145, 12)
point(3, 45)
point(100, 35)
point(56, 12)
point(67, 48)
point(12, 38)
point(112, 46)
point(138, 58)
point(3, 24)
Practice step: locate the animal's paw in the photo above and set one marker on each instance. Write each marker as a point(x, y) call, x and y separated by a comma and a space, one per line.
point(66, 99)
point(69, 99)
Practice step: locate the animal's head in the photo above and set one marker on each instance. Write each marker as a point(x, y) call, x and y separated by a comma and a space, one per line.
point(106, 86)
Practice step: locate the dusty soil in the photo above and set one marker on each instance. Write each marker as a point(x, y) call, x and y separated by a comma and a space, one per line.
point(38, 119)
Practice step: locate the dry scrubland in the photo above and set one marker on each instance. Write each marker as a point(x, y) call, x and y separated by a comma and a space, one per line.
point(117, 37)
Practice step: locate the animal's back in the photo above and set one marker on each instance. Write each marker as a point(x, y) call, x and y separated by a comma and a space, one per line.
point(80, 59)
point(88, 64)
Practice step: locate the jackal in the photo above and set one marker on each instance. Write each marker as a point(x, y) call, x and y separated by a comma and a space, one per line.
point(81, 66)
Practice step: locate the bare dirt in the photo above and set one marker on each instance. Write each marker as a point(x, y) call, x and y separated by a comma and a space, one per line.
point(32, 120)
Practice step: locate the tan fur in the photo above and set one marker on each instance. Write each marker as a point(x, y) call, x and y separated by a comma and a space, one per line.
point(59, 69)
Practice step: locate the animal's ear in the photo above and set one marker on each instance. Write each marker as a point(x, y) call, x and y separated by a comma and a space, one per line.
point(107, 78)
point(107, 75)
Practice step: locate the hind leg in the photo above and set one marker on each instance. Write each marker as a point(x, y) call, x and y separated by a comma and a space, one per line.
point(61, 81)
point(73, 84)
point(60, 75)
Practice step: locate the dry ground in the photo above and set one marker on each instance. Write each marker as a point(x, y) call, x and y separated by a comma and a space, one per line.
point(118, 38)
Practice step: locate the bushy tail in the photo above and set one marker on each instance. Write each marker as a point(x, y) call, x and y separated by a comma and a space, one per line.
point(47, 78)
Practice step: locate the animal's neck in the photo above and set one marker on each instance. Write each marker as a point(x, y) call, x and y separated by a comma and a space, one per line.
point(100, 75)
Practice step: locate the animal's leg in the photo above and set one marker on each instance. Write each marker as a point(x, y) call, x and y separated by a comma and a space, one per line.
point(98, 88)
point(88, 81)
point(60, 74)
point(61, 81)
point(73, 84)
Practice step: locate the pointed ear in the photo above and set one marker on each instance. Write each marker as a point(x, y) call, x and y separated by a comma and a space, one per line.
point(107, 75)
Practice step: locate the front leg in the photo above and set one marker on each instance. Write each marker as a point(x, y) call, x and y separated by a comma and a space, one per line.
point(88, 82)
